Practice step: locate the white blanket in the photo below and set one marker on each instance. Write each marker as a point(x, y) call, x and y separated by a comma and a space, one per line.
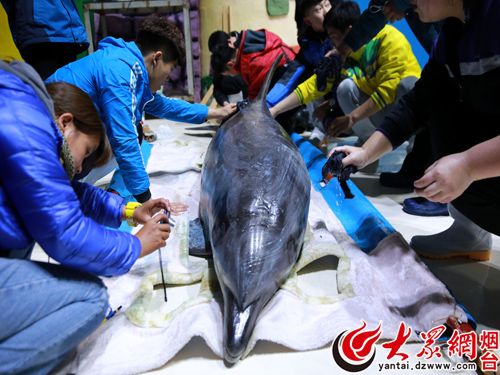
point(390, 285)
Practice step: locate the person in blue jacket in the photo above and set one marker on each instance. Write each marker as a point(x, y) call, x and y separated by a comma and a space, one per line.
point(48, 33)
point(46, 134)
point(123, 78)
point(311, 36)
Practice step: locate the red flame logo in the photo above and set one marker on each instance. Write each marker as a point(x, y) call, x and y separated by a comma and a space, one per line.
point(354, 350)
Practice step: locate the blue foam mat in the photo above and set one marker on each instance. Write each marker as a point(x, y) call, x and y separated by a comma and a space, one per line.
point(361, 220)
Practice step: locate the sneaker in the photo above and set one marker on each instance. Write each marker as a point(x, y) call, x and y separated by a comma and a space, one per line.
point(420, 206)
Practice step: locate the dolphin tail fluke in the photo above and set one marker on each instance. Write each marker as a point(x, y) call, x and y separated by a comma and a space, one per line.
point(238, 327)
point(265, 87)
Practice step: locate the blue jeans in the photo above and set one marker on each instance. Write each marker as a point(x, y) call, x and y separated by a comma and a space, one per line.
point(46, 310)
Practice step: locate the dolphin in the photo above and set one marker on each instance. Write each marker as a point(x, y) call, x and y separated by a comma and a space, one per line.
point(254, 204)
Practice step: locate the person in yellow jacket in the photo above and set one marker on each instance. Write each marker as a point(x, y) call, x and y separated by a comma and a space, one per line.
point(8, 50)
point(374, 76)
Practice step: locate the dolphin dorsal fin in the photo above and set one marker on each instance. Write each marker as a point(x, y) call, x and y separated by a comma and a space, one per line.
point(265, 87)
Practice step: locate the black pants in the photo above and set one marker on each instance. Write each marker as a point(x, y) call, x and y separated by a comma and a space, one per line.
point(46, 58)
point(481, 204)
point(420, 157)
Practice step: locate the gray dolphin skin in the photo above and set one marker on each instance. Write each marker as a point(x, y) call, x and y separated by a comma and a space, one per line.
point(254, 204)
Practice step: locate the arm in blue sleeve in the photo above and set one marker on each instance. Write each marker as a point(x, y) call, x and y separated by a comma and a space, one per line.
point(42, 195)
point(105, 208)
point(177, 110)
point(118, 102)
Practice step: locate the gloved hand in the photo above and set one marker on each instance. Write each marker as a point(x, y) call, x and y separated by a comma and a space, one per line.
point(242, 104)
point(328, 68)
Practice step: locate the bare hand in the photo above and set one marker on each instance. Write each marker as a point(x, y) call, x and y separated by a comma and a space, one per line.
point(153, 235)
point(222, 112)
point(356, 156)
point(153, 206)
point(445, 180)
point(339, 125)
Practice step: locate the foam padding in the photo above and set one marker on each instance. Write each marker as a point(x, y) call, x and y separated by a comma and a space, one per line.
point(361, 220)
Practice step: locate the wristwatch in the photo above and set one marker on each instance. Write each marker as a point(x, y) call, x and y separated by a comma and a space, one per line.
point(129, 212)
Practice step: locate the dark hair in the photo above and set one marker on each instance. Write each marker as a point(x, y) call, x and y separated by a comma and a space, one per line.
point(302, 7)
point(470, 4)
point(342, 16)
point(306, 5)
point(221, 55)
point(158, 34)
point(217, 38)
point(70, 99)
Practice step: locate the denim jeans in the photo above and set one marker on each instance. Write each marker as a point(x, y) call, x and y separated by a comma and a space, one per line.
point(351, 97)
point(46, 310)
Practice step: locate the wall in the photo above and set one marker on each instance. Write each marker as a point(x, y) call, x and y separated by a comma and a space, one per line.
point(243, 14)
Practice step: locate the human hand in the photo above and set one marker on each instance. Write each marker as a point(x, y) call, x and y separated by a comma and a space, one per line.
point(445, 180)
point(221, 113)
point(356, 156)
point(153, 234)
point(339, 125)
point(145, 212)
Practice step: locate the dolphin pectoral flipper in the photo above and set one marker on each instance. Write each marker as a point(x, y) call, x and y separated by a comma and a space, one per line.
point(199, 246)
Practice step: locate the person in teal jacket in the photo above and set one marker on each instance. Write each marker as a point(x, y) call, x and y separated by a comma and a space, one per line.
point(123, 78)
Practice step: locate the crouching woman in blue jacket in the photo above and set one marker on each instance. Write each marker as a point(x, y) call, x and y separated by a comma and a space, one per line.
point(46, 134)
